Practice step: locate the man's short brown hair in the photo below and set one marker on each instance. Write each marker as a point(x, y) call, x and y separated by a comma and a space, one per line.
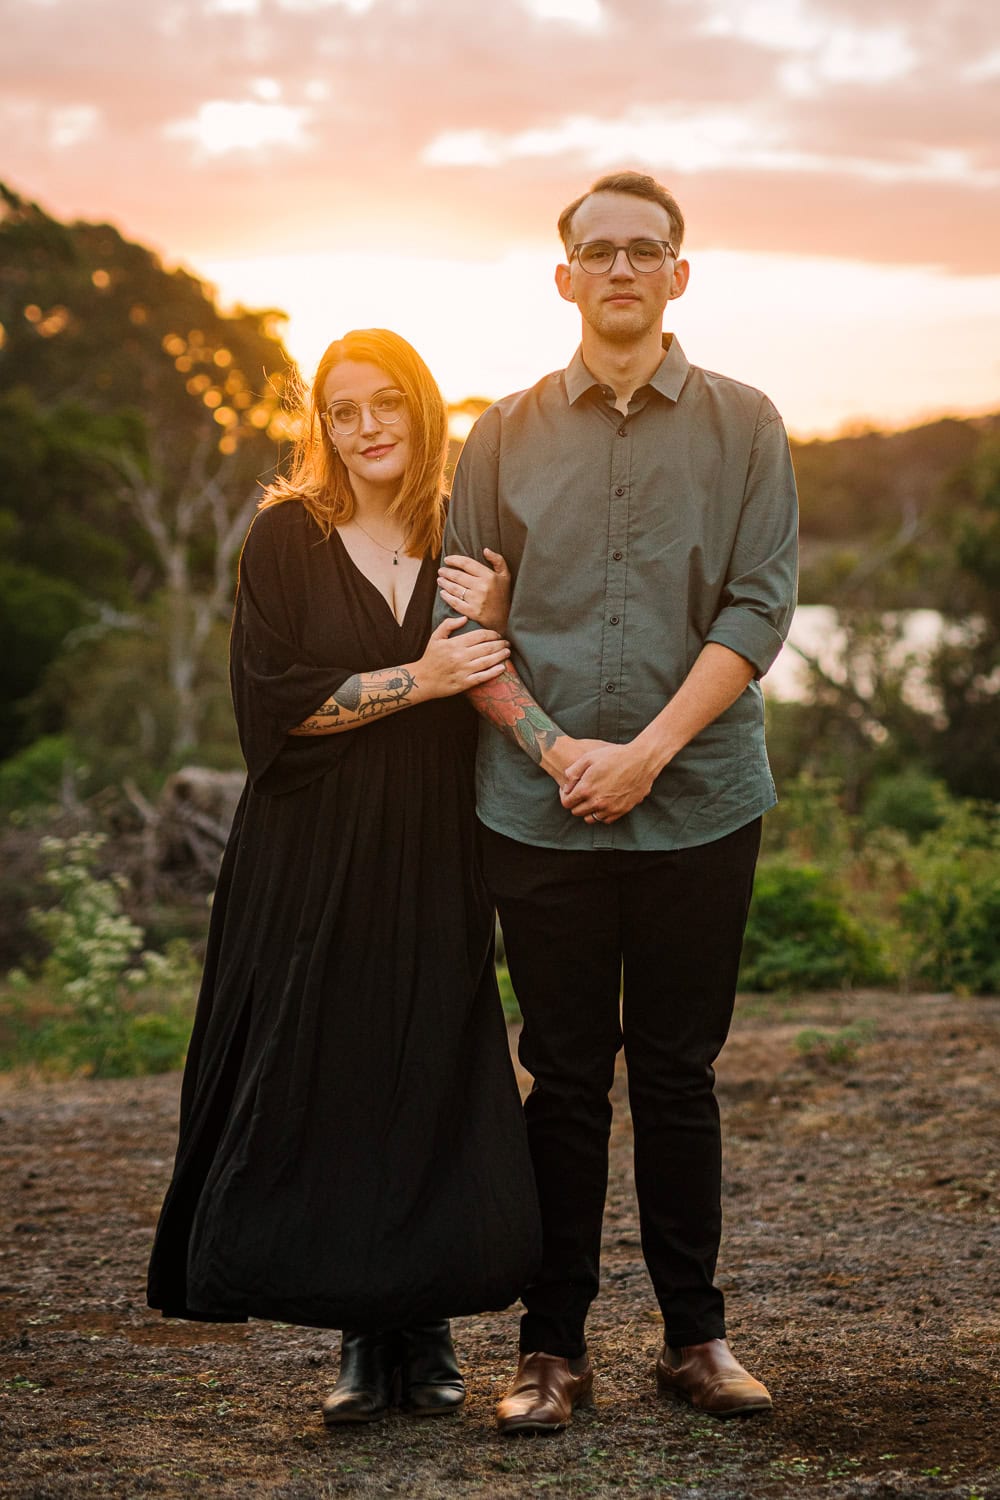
point(641, 186)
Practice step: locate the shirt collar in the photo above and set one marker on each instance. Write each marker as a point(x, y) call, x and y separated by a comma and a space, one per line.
point(668, 380)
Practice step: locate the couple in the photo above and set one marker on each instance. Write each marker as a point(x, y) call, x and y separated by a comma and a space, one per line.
point(619, 553)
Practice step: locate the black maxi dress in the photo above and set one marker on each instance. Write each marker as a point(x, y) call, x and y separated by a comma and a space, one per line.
point(352, 1150)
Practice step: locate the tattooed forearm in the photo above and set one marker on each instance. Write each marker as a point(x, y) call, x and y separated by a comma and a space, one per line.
point(363, 697)
point(348, 696)
point(506, 702)
point(380, 692)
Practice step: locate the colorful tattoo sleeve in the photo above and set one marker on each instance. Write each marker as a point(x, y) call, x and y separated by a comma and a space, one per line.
point(506, 702)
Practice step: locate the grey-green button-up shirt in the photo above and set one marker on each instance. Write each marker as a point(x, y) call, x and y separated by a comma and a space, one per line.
point(632, 542)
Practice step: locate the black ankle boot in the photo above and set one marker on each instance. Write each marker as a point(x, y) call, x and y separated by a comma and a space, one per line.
point(369, 1370)
point(431, 1382)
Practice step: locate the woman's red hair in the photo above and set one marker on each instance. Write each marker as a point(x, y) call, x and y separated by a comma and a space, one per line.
point(317, 477)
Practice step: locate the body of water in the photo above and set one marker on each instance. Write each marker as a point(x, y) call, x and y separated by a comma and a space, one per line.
point(816, 630)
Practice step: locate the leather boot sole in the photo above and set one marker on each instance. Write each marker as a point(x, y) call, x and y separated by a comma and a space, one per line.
point(342, 1417)
point(432, 1411)
point(348, 1418)
point(361, 1419)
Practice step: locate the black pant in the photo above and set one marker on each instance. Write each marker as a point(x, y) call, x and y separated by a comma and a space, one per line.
point(673, 920)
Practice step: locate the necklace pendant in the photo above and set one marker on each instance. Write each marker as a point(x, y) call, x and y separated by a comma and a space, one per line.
point(395, 560)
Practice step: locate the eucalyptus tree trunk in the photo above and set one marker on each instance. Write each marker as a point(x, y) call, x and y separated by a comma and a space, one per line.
point(177, 519)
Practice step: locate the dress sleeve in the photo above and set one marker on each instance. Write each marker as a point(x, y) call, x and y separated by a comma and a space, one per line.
point(275, 684)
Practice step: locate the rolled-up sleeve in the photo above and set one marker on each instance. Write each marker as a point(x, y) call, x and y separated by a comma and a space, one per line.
point(760, 588)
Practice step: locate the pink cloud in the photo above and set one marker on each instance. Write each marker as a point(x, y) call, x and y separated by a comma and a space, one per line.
point(852, 168)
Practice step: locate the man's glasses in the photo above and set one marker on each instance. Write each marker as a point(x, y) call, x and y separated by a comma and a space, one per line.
point(385, 407)
point(598, 256)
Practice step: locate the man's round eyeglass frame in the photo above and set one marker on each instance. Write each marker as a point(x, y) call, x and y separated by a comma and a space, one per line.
point(664, 245)
point(383, 420)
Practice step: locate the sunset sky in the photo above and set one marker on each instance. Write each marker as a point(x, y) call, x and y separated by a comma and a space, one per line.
point(403, 162)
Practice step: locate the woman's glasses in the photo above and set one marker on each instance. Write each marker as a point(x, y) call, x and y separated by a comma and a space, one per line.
point(385, 407)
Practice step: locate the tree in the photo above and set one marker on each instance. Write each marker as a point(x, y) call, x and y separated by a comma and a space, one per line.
point(157, 417)
point(887, 708)
point(965, 671)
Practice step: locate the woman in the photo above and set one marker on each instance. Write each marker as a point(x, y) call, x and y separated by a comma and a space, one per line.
point(351, 1145)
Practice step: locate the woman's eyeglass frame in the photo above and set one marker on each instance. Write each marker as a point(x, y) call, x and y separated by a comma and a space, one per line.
point(347, 425)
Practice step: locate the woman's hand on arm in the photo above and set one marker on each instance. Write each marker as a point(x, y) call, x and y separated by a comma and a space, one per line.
point(455, 663)
point(479, 591)
point(450, 664)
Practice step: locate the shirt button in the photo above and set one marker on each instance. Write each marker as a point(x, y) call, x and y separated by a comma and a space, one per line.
point(615, 619)
point(622, 431)
point(619, 490)
point(610, 687)
point(617, 556)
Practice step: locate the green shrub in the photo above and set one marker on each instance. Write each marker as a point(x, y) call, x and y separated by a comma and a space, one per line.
point(801, 936)
point(911, 801)
point(511, 1009)
point(952, 912)
point(834, 1049)
point(99, 1002)
point(34, 776)
point(809, 822)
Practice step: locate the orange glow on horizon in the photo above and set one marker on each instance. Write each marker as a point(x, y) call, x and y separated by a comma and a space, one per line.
point(837, 345)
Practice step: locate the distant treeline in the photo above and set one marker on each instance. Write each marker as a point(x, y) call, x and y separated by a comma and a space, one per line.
point(891, 496)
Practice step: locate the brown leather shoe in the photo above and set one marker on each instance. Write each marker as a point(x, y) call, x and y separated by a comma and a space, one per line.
point(543, 1394)
point(712, 1379)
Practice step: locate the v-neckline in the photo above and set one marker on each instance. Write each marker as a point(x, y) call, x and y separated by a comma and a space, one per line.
point(399, 624)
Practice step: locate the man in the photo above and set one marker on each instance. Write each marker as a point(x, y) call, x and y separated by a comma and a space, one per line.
point(646, 510)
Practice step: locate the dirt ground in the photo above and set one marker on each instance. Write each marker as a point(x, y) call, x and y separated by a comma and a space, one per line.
point(859, 1261)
